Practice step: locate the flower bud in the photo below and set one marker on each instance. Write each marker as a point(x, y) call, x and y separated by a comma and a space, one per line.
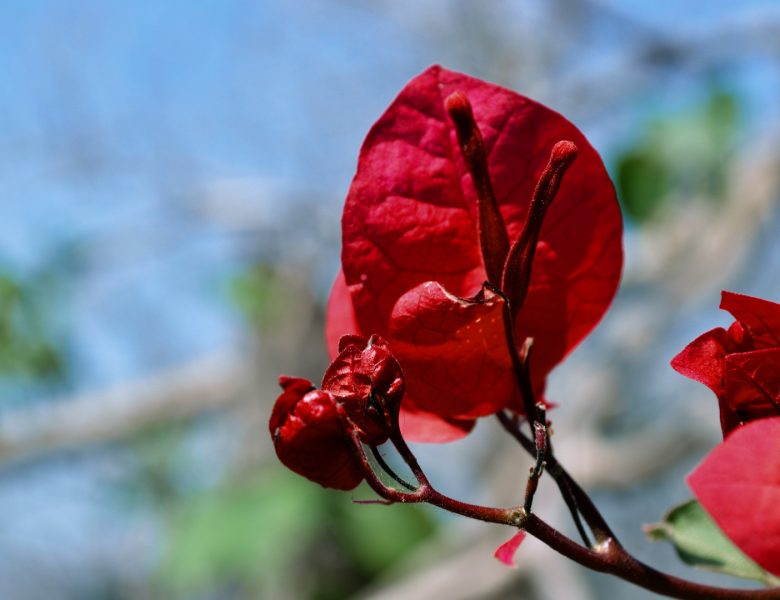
point(310, 438)
point(367, 380)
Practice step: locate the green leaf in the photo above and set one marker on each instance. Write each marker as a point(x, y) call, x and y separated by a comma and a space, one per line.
point(27, 349)
point(700, 543)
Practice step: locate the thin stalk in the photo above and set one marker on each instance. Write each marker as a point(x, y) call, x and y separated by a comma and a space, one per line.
point(607, 557)
point(575, 497)
point(615, 560)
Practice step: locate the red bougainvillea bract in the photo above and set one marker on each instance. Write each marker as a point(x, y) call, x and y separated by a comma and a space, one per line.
point(738, 483)
point(416, 253)
point(741, 364)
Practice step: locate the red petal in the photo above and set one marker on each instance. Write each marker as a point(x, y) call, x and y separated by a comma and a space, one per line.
point(419, 426)
point(416, 425)
point(364, 367)
point(753, 382)
point(739, 485)
point(703, 359)
point(309, 439)
point(351, 339)
point(294, 389)
point(411, 212)
point(453, 352)
point(760, 317)
point(506, 551)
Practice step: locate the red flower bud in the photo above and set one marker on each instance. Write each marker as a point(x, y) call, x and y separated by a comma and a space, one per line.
point(367, 380)
point(310, 437)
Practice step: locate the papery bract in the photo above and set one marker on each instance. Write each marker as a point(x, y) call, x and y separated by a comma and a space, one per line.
point(309, 436)
point(453, 348)
point(738, 483)
point(741, 364)
point(409, 219)
point(506, 551)
point(367, 380)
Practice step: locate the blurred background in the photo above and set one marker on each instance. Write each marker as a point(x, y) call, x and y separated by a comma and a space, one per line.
point(172, 179)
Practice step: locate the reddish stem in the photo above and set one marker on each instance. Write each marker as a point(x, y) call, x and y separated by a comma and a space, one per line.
point(576, 498)
point(613, 559)
point(493, 236)
point(608, 556)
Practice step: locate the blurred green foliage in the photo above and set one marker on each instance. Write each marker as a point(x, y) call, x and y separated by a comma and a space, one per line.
point(682, 154)
point(279, 535)
point(260, 294)
point(263, 531)
point(241, 532)
point(26, 345)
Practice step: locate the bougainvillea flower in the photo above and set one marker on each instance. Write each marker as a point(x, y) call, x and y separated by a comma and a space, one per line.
point(738, 483)
point(739, 364)
point(309, 436)
point(454, 188)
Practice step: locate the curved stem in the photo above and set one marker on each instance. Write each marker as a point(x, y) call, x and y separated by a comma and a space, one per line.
point(425, 491)
point(615, 560)
point(607, 557)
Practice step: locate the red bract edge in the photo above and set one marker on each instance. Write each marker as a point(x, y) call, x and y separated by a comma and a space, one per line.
point(738, 484)
point(739, 364)
point(409, 219)
point(761, 318)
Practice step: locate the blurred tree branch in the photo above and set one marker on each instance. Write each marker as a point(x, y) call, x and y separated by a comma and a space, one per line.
point(91, 418)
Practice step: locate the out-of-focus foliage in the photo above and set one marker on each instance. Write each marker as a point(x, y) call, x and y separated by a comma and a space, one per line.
point(259, 531)
point(26, 346)
point(684, 153)
point(156, 481)
point(376, 538)
point(278, 534)
point(260, 294)
point(242, 533)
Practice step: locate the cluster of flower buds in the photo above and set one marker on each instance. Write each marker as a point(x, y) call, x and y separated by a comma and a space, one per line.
point(361, 391)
